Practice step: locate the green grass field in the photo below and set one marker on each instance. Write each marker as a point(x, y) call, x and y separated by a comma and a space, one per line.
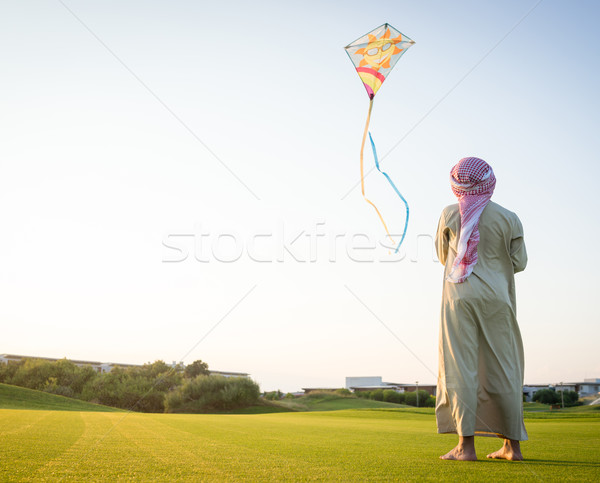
point(332, 402)
point(367, 444)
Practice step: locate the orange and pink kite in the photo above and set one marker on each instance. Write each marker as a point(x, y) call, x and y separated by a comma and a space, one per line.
point(374, 55)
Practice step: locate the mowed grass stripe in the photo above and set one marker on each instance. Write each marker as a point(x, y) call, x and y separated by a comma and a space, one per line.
point(228, 445)
point(43, 439)
point(343, 446)
point(137, 447)
point(275, 447)
point(85, 449)
point(15, 425)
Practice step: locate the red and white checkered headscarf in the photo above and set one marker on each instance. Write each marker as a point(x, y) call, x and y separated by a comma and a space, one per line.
point(473, 183)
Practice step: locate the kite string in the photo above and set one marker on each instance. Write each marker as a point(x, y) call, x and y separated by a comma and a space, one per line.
point(395, 189)
point(362, 172)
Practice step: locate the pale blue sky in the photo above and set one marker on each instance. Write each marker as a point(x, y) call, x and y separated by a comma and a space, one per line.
point(97, 174)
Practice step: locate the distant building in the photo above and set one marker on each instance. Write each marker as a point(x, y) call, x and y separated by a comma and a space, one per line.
point(566, 386)
point(589, 387)
point(371, 383)
point(363, 381)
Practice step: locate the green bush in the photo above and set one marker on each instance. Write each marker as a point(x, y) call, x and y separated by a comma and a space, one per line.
point(52, 387)
point(322, 394)
point(135, 388)
point(8, 371)
point(343, 392)
point(210, 393)
point(273, 395)
point(363, 394)
point(377, 395)
point(139, 388)
point(33, 373)
point(50, 376)
point(195, 369)
point(546, 396)
point(425, 400)
point(389, 395)
point(571, 398)
point(551, 396)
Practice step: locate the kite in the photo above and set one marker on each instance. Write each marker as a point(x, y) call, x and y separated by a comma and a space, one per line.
point(374, 55)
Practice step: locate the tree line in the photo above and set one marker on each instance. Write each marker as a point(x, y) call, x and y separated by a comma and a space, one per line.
point(551, 396)
point(421, 399)
point(152, 387)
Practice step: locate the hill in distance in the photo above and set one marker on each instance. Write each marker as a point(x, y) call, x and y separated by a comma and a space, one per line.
point(14, 397)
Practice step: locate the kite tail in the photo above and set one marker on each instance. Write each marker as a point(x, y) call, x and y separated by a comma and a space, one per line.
point(362, 173)
point(395, 189)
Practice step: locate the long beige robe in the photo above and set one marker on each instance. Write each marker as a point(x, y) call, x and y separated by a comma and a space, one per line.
point(480, 383)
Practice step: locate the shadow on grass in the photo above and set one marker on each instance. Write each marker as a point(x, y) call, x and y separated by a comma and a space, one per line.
point(530, 461)
point(590, 464)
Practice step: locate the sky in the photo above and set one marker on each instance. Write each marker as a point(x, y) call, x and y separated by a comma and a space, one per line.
point(179, 181)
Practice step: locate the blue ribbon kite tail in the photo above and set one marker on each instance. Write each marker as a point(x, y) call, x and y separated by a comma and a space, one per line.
point(395, 189)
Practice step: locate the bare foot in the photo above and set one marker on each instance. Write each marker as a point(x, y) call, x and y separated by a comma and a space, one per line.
point(460, 454)
point(511, 450)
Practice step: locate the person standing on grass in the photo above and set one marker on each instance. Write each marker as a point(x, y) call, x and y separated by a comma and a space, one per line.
point(480, 382)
